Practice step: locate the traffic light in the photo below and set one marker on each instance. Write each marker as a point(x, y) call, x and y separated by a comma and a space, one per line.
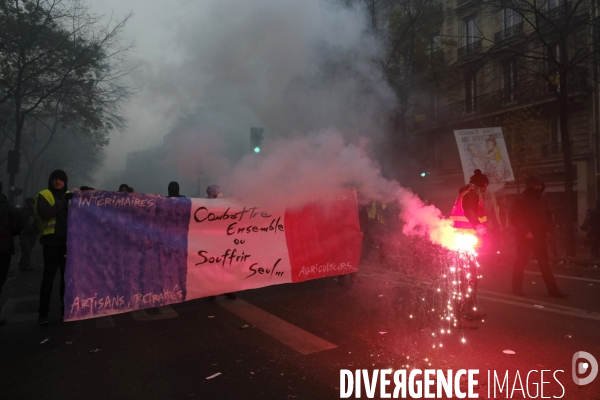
point(256, 137)
point(423, 174)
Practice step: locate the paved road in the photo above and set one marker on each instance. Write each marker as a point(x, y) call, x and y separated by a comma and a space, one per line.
point(297, 339)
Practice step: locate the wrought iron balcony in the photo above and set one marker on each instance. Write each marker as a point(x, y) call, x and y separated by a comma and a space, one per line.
point(552, 149)
point(437, 55)
point(524, 93)
point(555, 13)
point(509, 32)
point(473, 47)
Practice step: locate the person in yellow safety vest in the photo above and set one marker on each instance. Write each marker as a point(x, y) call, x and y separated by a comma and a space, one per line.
point(376, 213)
point(51, 208)
point(377, 216)
point(469, 213)
point(469, 216)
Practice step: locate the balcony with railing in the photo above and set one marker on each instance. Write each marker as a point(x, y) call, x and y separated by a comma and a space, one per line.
point(524, 93)
point(473, 47)
point(509, 32)
point(555, 13)
point(553, 149)
point(437, 54)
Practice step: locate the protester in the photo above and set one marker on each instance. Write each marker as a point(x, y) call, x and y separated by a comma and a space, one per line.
point(552, 233)
point(130, 189)
point(124, 188)
point(213, 192)
point(173, 190)
point(592, 226)
point(52, 208)
point(529, 216)
point(470, 217)
point(28, 237)
point(11, 225)
point(377, 218)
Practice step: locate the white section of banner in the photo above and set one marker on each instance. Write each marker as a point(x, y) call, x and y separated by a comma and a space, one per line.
point(484, 149)
point(233, 247)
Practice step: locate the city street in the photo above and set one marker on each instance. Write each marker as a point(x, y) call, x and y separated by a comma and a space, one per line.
point(290, 341)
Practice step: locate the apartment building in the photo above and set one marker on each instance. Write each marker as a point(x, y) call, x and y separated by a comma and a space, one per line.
point(496, 50)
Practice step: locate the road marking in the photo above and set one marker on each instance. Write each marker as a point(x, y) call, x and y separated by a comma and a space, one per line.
point(105, 322)
point(9, 308)
point(298, 339)
point(534, 301)
point(579, 313)
point(165, 312)
point(520, 301)
point(577, 278)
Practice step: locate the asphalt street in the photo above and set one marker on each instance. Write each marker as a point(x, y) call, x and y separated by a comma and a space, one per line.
point(291, 341)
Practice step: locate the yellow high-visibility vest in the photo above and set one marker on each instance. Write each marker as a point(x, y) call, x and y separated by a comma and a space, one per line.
point(376, 214)
point(45, 227)
point(461, 223)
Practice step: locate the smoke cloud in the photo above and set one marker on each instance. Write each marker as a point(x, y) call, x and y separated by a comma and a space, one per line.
point(309, 74)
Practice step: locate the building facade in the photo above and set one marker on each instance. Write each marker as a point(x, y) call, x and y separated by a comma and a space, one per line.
point(502, 62)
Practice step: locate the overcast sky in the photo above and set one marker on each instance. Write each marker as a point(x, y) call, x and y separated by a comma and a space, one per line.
point(152, 29)
point(294, 67)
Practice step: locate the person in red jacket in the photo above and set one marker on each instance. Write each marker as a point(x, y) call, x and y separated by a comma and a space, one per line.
point(529, 216)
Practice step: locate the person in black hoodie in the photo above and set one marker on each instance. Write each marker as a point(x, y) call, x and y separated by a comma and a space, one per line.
point(51, 208)
point(173, 189)
point(11, 225)
point(529, 216)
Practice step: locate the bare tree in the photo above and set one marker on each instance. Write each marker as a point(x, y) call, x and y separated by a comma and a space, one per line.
point(559, 47)
point(59, 63)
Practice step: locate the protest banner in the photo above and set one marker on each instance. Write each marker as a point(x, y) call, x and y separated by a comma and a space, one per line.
point(134, 251)
point(484, 149)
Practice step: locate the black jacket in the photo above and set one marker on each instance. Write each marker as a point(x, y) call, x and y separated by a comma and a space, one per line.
point(11, 225)
point(470, 205)
point(27, 215)
point(529, 213)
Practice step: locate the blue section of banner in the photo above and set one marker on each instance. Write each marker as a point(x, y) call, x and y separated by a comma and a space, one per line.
point(125, 252)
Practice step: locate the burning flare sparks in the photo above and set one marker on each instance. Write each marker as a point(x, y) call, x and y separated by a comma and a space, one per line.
point(465, 242)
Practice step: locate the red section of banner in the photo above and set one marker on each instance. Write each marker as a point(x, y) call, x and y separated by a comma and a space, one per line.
point(324, 237)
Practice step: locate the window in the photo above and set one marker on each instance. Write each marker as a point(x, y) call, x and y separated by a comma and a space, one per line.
point(469, 31)
point(553, 9)
point(551, 4)
point(433, 105)
point(470, 92)
point(435, 45)
point(553, 58)
point(509, 18)
point(510, 69)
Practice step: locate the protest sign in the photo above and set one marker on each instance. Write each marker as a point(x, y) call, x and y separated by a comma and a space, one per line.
point(484, 149)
